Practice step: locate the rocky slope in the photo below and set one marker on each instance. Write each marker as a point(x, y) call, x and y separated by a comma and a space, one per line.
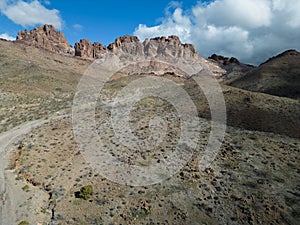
point(33, 80)
point(254, 180)
point(279, 76)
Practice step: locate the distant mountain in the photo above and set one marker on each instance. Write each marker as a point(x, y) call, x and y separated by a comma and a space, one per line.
point(280, 76)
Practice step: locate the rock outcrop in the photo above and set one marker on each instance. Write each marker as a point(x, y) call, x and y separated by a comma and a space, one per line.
point(170, 47)
point(46, 37)
point(127, 44)
point(233, 68)
point(160, 47)
point(224, 60)
point(150, 56)
point(86, 49)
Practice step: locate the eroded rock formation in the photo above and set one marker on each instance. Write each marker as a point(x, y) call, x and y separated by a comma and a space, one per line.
point(46, 37)
point(161, 47)
point(86, 49)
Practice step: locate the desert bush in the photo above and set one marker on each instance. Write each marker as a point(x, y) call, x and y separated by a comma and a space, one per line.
point(24, 223)
point(25, 188)
point(85, 192)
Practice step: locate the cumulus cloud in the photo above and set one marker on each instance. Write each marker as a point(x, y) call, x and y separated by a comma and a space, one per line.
point(251, 30)
point(6, 36)
point(247, 13)
point(176, 24)
point(30, 13)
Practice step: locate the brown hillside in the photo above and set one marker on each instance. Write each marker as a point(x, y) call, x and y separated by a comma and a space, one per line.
point(278, 76)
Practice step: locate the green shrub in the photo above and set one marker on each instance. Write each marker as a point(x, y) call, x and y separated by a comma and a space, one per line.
point(85, 192)
point(25, 188)
point(24, 223)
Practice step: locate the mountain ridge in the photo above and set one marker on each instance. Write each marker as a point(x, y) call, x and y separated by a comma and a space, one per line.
point(48, 38)
point(279, 76)
point(167, 49)
point(158, 48)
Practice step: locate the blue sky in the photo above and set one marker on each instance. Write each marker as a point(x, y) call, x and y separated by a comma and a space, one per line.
point(251, 30)
point(100, 21)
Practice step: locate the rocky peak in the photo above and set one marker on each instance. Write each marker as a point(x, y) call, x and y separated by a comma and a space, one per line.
point(84, 48)
point(224, 60)
point(123, 40)
point(45, 37)
point(127, 44)
point(232, 68)
point(170, 47)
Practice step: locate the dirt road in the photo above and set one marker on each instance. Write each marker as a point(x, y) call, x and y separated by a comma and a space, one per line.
point(9, 198)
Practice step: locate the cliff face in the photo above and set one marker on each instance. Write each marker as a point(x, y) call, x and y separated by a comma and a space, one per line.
point(160, 47)
point(170, 47)
point(46, 37)
point(86, 49)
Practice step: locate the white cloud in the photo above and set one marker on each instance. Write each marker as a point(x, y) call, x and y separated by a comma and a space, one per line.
point(229, 41)
point(2, 4)
point(177, 24)
point(251, 30)
point(6, 36)
point(30, 13)
point(78, 26)
point(247, 13)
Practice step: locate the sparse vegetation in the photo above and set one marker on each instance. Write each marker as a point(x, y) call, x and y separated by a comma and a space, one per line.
point(85, 192)
point(254, 177)
point(25, 188)
point(24, 223)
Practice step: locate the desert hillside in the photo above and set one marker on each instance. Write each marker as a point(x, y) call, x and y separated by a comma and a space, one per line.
point(46, 178)
point(278, 76)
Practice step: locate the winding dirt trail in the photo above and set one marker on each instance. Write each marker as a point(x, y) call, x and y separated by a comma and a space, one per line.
point(9, 198)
